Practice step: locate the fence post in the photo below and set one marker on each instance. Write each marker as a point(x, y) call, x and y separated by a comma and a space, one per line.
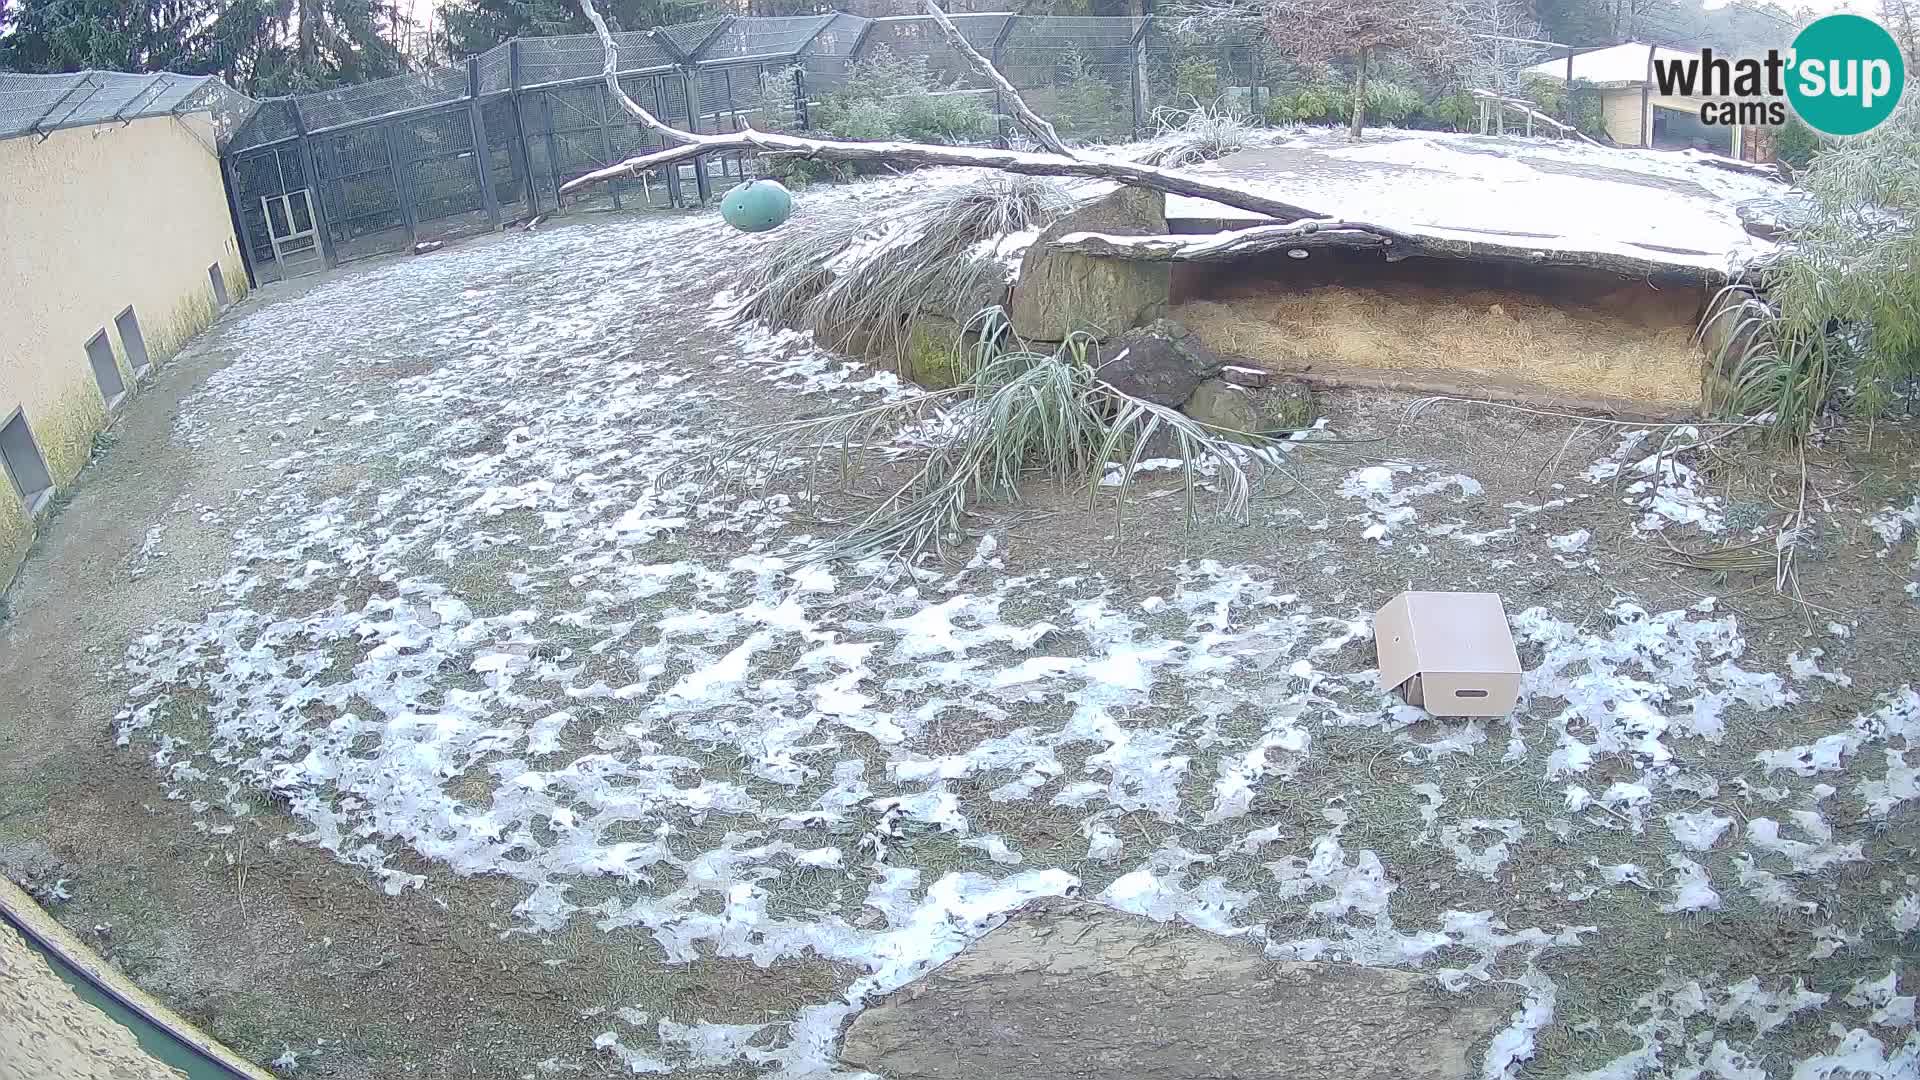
point(606, 143)
point(553, 147)
point(231, 181)
point(1568, 105)
point(1000, 40)
point(318, 201)
point(398, 166)
point(700, 187)
point(520, 128)
point(1140, 73)
point(800, 98)
point(672, 172)
point(482, 153)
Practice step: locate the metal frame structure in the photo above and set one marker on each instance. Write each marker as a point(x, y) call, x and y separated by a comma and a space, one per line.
point(467, 147)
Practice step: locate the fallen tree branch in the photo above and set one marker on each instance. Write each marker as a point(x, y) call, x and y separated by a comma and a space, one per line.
point(1395, 244)
point(1537, 115)
point(692, 145)
point(1165, 180)
point(1035, 124)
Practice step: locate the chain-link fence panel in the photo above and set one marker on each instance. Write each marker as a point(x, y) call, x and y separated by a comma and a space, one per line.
point(493, 70)
point(684, 40)
point(760, 39)
point(1230, 68)
point(506, 159)
point(384, 97)
point(43, 103)
point(359, 191)
point(918, 37)
point(829, 55)
point(273, 121)
point(1082, 74)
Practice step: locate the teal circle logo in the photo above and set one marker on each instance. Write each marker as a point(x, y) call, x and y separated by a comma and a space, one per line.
point(1847, 74)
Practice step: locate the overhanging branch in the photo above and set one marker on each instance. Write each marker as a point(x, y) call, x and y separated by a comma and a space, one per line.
point(1035, 124)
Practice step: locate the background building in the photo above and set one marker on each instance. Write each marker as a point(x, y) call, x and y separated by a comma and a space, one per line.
point(1634, 110)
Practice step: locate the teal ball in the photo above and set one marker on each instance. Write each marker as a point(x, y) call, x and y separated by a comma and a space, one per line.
point(757, 206)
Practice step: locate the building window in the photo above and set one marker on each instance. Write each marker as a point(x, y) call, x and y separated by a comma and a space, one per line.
point(106, 370)
point(131, 340)
point(219, 281)
point(23, 464)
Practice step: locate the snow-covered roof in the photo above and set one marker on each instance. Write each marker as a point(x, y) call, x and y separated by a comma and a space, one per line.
point(1559, 196)
point(1616, 64)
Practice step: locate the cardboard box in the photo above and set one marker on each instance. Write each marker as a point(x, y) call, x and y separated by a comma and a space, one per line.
point(1450, 653)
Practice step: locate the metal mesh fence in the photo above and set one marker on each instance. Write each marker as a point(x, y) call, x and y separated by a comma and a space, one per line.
point(353, 104)
point(35, 104)
point(433, 153)
point(1098, 78)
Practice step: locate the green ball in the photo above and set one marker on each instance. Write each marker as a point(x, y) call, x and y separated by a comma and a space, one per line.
point(757, 206)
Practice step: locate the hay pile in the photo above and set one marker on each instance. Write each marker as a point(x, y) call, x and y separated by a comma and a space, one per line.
point(1630, 343)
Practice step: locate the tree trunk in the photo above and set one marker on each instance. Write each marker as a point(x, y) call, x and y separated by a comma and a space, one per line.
point(1359, 94)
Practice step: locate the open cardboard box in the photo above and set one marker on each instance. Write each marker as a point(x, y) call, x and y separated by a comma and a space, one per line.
point(1451, 653)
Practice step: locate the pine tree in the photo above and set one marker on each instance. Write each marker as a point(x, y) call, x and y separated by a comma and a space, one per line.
point(261, 47)
point(474, 26)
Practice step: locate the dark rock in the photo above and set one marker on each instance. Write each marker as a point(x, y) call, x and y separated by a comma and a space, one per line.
point(1068, 989)
point(983, 294)
point(1060, 292)
point(1159, 362)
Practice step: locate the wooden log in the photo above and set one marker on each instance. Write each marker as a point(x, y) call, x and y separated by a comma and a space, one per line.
point(1304, 237)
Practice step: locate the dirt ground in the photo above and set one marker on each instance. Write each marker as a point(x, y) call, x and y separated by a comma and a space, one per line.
point(491, 420)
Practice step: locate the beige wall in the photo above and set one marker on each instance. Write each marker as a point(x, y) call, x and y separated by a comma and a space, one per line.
point(93, 219)
point(1622, 110)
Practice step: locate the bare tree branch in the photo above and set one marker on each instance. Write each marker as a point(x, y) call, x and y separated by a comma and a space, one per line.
point(1037, 125)
point(750, 139)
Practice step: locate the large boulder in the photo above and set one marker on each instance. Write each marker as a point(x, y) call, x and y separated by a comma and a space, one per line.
point(1059, 292)
point(1160, 362)
point(938, 354)
point(1069, 989)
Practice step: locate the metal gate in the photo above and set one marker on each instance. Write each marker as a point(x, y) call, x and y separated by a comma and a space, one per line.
point(292, 233)
point(263, 180)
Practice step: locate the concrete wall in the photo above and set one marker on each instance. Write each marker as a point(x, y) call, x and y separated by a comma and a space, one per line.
point(93, 219)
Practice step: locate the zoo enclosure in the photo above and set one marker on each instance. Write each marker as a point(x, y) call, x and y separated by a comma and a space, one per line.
point(324, 178)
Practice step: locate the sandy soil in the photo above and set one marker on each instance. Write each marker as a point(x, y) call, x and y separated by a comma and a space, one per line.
point(48, 1033)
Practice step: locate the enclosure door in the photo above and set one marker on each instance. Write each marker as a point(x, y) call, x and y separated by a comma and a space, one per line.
point(265, 183)
point(290, 228)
